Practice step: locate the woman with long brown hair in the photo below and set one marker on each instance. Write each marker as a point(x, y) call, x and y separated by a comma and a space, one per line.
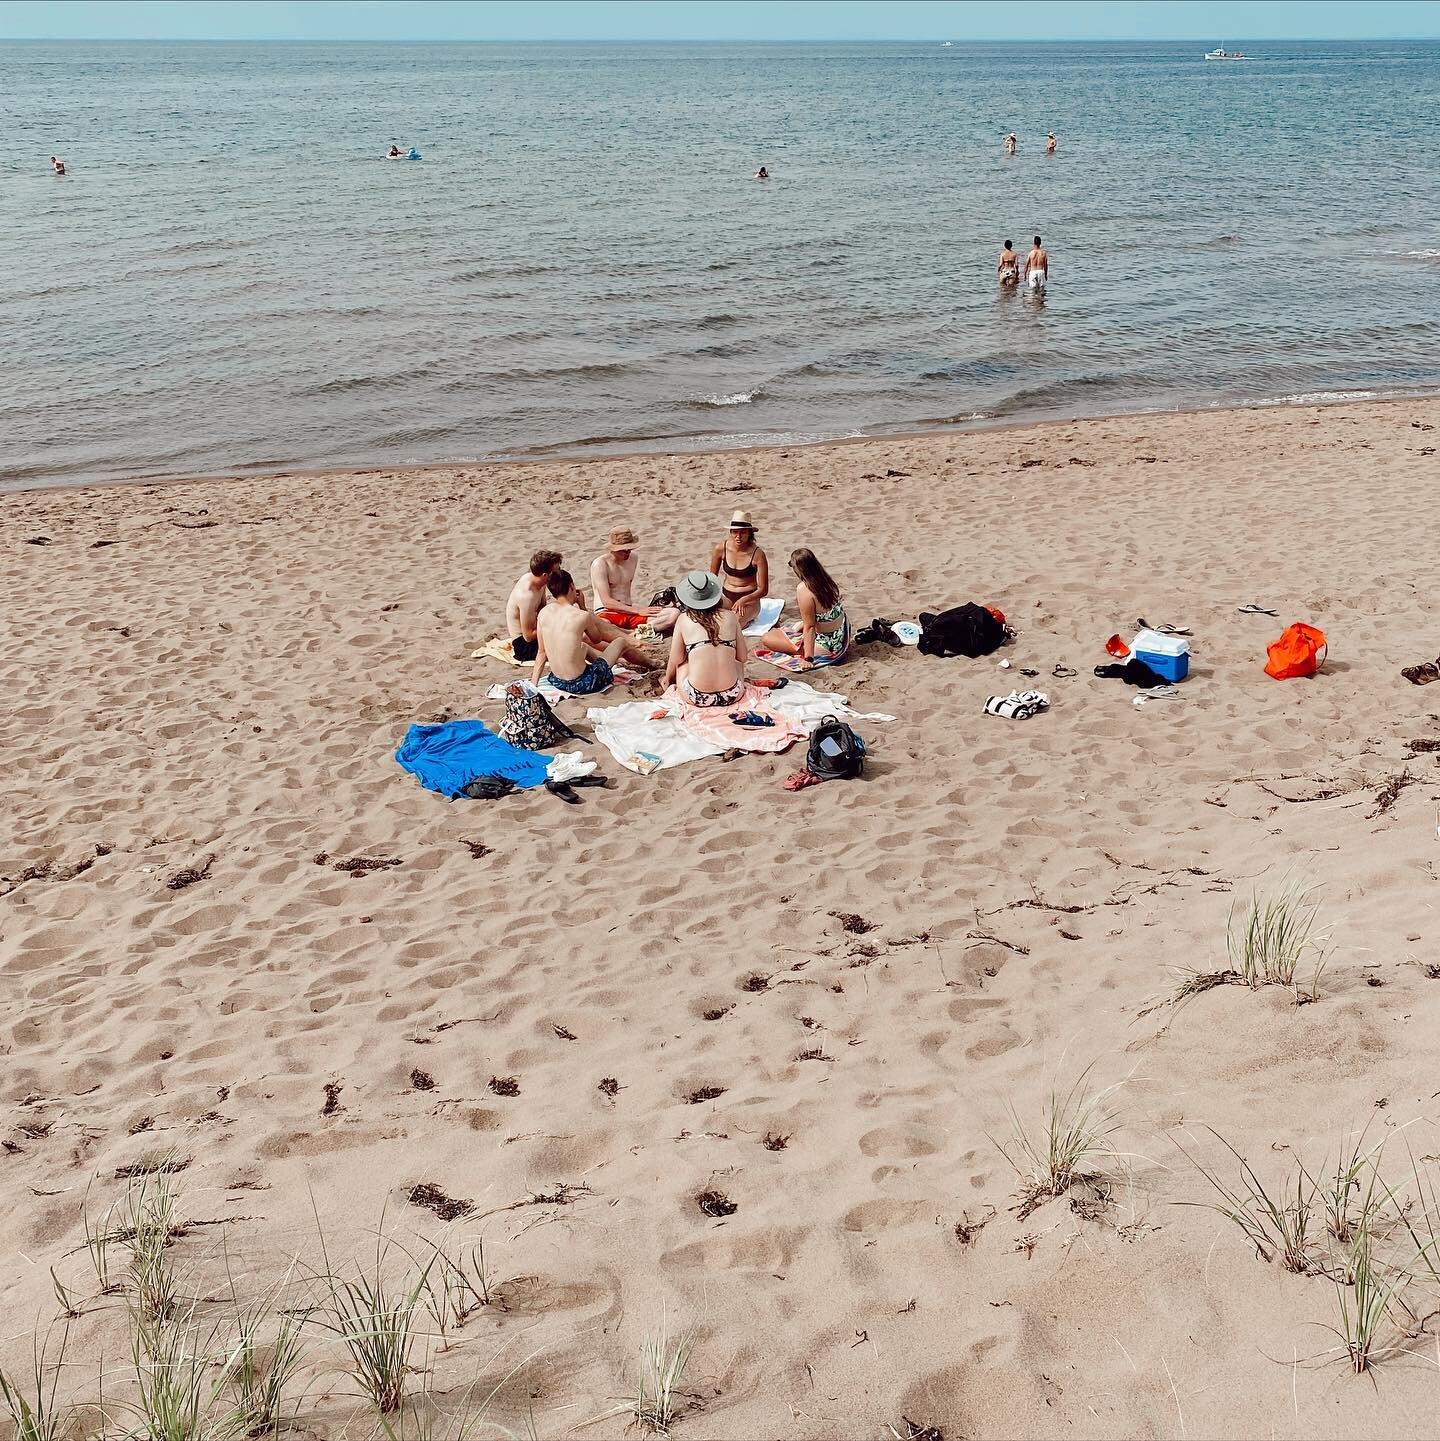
point(707, 651)
point(822, 634)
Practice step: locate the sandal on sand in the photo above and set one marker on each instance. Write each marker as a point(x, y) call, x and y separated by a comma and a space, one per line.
point(1063, 672)
point(563, 790)
point(1253, 609)
point(1143, 624)
point(800, 780)
point(1422, 674)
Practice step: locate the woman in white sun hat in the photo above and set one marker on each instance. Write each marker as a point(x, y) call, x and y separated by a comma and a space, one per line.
point(707, 651)
point(743, 570)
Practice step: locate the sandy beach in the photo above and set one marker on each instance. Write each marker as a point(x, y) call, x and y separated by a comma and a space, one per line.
point(212, 677)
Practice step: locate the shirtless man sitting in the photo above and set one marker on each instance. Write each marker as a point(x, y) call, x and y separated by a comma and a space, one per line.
point(613, 576)
point(566, 656)
point(522, 610)
point(1037, 267)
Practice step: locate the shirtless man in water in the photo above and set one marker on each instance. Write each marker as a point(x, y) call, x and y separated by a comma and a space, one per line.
point(1008, 267)
point(567, 655)
point(613, 576)
point(1037, 266)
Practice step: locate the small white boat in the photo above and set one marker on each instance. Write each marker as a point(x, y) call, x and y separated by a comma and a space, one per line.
point(946, 44)
point(1223, 54)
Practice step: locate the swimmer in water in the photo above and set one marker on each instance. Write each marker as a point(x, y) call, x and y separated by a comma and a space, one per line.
point(1050, 143)
point(394, 153)
point(1008, 269)
point(762, 173)
point(1010, 143)
point(1037, 267)
point(58, 166)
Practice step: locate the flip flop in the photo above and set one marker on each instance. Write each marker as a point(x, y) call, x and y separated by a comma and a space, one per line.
point(1063, 672)
point(1422, 674)
point(1143, 624)
point(563, 790)
point(1253, 609)
point(751, 720)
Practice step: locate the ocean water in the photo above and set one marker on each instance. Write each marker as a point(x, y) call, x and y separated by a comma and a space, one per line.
point(231, 279)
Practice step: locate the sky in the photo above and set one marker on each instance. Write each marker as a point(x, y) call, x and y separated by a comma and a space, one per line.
point(631, 20)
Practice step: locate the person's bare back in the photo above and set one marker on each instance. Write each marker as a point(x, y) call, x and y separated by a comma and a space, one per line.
point(562, 639)
point(1037, 265)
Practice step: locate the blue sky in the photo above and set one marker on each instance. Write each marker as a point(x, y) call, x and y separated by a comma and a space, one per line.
point(1220, 20)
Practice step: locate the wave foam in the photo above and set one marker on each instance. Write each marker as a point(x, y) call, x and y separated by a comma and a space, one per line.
point(741, 397)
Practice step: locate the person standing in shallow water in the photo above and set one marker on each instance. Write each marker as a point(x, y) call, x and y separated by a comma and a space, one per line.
point(1050, 143)
point(1037, 267)
point(1007, 269)
point(58, 166)
point(1011, 144)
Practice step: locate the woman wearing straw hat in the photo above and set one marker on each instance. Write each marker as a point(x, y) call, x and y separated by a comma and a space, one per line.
point(707, 652)
point(743, 570)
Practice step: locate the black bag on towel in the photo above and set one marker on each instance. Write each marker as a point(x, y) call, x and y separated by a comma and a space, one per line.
point(968, 630)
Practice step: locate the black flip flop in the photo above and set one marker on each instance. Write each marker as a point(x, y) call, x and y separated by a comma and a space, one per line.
point(564, 790)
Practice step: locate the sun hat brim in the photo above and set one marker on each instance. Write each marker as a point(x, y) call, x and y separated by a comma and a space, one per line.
point(699, 590)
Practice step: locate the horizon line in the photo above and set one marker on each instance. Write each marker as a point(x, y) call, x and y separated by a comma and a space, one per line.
point(680, 40)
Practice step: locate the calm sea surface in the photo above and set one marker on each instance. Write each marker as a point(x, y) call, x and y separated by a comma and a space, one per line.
point(231, 278)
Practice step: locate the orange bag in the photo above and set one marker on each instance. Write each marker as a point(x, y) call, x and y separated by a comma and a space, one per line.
point(1299, 651)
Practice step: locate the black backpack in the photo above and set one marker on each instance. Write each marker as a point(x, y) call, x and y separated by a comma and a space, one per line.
point(968, 630)
point(836, 753)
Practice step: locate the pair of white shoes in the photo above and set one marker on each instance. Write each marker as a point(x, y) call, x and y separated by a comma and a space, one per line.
point(1018, 705)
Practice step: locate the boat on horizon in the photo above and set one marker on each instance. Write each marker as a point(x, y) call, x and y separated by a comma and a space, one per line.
point(1221, 53)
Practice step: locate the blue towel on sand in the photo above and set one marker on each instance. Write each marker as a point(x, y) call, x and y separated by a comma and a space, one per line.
point(446, 758)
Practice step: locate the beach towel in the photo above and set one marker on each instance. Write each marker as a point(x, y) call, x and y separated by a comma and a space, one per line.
point(717, 724)
point(769, 613)
point(497, 648)
point(646, 736)
point(794, 630)
point(447, 757)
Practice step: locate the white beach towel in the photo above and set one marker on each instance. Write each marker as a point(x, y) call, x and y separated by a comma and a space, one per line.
point(769, 613)
point(635, 740)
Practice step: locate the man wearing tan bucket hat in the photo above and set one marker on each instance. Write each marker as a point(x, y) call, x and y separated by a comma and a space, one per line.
point(743, 570)
point(613, 576)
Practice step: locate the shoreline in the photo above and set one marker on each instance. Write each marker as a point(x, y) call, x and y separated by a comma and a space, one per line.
point(588, 452)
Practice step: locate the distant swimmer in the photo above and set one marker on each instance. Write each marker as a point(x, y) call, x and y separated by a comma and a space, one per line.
point(1008, 270)
point(1037, 267)
point(763, 173)
point(58, 166)
point(1010, 143)
point(1050, 143)
point(394, 153)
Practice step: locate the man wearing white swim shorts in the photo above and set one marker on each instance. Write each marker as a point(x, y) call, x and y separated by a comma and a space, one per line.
point(1037, 267)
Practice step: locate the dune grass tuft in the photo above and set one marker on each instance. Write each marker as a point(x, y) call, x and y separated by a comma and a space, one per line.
point(659, 1399)
point(33, 1409)
point(1071, 1146)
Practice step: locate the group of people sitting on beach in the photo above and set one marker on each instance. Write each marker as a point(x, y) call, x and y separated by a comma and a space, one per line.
point(705, 612)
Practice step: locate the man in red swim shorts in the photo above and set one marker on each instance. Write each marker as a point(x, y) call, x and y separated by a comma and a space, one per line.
point(613, 575)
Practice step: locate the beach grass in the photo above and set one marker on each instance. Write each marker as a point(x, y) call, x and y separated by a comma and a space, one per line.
point(664, 1357)
point(32, 1405)
point(1071, 1145)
